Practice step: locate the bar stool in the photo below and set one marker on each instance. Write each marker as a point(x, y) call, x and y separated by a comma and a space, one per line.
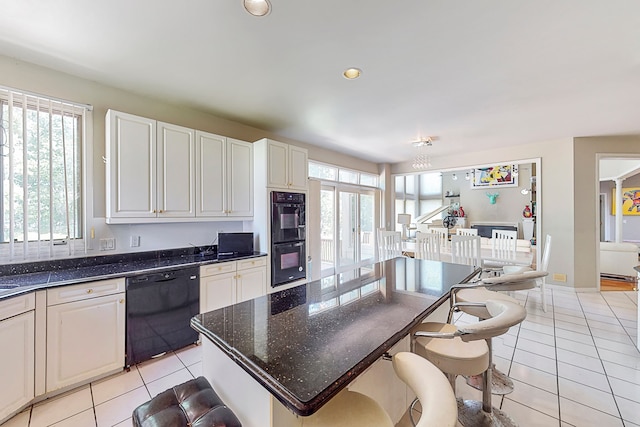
point(349, 409)
point(486, 289)
point(460, 350)
point(352, 409)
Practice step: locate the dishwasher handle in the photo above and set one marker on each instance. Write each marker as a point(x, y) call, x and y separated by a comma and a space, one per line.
point(165, 276)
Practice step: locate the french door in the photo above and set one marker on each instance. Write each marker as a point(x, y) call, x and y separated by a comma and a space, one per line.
point(348, 218)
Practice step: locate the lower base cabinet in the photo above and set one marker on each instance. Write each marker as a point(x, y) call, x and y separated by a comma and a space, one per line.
point(86, 335)
point(16, 362)
point(228, 283)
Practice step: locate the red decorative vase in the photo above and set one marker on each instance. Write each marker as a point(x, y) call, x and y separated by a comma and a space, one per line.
point(460, 212)
point(527, 212)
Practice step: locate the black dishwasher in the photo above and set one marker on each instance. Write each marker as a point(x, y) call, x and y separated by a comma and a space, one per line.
point(159, 310)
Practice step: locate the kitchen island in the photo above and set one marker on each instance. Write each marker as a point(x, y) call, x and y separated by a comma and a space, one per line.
point(284, 355)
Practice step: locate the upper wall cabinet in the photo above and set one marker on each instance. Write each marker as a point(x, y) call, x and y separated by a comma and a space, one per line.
point(224, 171)
point(160, 172)
point(281, 165)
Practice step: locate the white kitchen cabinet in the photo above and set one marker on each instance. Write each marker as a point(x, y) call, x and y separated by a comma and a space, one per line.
point(217, 286)
point(228, 283)
point(281, 165)
point(150, 169)
point(160, 172)
point(131, 166)
point(175, 171)
point(17, 360)
point(224, 176)
point(251, 278)
point(85, 332)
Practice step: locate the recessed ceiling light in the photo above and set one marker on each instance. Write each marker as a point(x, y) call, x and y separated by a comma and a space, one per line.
point(352, 73)
point(257, 7)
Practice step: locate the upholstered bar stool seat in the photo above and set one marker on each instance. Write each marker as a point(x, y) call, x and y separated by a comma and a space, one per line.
point(455, 349)
point(349, 409)
point(487, 289)
point(452, 356)
point(480, 295)
point(190, 404)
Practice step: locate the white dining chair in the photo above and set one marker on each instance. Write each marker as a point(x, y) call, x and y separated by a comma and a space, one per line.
point(467, 231)
point(389, 244)
point(504, 244)
point(466, 250)
point(427, 246)
point(544, 266)
point(443, 234)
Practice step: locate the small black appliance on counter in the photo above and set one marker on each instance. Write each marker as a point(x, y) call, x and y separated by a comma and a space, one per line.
point(235, 244)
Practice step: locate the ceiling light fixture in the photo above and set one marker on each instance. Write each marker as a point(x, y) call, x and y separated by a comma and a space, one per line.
point(352, 73)
point(422, 160)
point(257, 7)
point(454, 177)
point(467, 176)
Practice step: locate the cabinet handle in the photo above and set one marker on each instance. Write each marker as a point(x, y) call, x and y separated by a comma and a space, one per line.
point(161, 211)
point(154, 211)
point(89, 291)
point(121, 301)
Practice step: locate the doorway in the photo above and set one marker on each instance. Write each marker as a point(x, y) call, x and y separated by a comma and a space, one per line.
point(347, 218)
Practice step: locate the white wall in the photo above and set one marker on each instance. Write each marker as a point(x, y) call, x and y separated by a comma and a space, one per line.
point(32, 78)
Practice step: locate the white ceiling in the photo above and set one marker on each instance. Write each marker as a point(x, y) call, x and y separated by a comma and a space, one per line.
point(476, 74)
point(618, 168)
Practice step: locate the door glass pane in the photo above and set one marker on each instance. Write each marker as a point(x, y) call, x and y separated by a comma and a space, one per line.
point(347, 231)
point(367, 235)
point(327, 230)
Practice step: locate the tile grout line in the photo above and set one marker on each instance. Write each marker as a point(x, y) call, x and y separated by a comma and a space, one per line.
point(600, 357)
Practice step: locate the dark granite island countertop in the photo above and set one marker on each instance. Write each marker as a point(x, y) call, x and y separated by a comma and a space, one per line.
point(307, 343)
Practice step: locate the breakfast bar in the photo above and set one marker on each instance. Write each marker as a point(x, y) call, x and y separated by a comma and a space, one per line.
point(281, 356)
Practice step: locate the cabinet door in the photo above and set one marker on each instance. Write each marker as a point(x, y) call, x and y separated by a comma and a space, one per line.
point(17, 362)
point(251, 283)
point(217, 291)
point(240, 178)
point(277, 164)
point(176, 171)
point(131, 166)
point(298, 168)
point(211, 173)
point(84, 339)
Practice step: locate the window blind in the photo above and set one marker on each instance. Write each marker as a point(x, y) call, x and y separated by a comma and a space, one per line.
point(41, 142)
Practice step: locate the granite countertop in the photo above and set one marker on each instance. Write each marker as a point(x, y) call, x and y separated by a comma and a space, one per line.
point(16, 279)
point(306, 343)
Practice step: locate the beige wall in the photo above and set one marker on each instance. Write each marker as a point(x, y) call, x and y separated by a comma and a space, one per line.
point(32, 78)
point(586, 197)
point(568, 185)
point(555, 193)
point(508, 207)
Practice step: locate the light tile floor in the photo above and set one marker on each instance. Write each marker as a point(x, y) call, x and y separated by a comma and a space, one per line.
point(575, 365)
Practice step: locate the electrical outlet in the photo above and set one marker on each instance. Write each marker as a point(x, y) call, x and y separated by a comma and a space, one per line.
point(559, 277)
point(135, 241)
point(108, 244)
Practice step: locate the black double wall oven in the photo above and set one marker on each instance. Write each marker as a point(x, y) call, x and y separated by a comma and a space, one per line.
point(288, 231)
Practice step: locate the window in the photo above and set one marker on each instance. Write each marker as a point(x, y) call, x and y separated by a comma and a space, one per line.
point(417, 194)
point(334, 173)
point(41, 206)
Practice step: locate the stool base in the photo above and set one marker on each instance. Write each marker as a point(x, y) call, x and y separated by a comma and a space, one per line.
point(470, 414)
point(501, 384)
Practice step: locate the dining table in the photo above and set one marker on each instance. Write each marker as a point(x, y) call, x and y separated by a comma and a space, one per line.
point(523, 256)
point(280, 357)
